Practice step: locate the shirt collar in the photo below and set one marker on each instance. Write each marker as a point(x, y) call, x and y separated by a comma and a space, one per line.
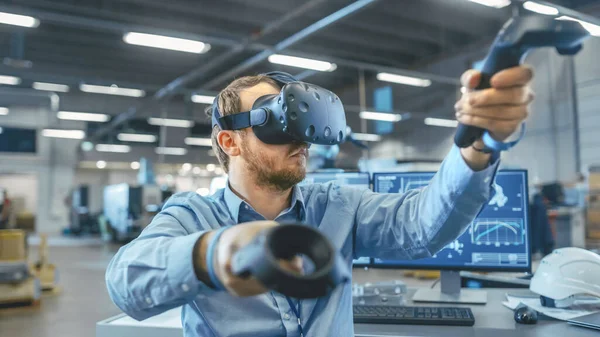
point(234, 203)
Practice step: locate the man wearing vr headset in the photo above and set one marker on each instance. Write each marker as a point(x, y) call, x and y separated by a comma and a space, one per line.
point(261, 139)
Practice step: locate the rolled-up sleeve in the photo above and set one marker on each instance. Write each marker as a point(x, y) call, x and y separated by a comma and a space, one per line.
point(155, 272)
point(419, 223)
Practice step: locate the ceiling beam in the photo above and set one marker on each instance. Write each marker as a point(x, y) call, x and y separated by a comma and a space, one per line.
point(291, 40)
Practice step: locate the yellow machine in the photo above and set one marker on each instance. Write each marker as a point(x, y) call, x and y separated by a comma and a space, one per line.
point(17, 285)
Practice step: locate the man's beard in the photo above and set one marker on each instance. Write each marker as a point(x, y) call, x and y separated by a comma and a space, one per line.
point(262, 168)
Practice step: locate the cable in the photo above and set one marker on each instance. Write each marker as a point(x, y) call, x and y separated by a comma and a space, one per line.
point(435, 282)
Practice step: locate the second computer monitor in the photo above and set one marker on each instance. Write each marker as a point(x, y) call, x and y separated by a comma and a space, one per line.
point(497, 240)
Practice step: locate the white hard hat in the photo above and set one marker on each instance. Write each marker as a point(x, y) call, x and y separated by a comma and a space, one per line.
point(565, 274)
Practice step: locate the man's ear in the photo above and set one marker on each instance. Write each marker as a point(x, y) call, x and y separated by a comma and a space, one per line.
point(229, 142)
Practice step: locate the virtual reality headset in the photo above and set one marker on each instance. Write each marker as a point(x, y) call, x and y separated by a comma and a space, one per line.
point(301, 112)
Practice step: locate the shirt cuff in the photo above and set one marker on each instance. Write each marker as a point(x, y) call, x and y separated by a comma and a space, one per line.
point(468, 179)
point(180, 266)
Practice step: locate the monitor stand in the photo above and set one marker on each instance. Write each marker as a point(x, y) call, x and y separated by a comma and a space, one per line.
point(451, 291)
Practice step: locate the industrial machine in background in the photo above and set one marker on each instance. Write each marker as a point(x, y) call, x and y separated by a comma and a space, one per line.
point(81, 219)
point(128, 209)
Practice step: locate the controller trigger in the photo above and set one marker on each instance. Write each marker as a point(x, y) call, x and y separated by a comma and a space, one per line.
point(569, 51)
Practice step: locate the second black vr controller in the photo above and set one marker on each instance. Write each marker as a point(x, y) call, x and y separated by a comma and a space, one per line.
point(518, 36)
point(261, 257)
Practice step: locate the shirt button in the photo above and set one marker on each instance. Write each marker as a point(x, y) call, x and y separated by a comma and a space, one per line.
point(148, 300)
point(486, 179)
point(246, 207)
point(185, 288)
point(286, 316)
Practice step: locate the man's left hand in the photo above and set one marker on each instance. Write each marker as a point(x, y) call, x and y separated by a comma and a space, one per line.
point(499, 109)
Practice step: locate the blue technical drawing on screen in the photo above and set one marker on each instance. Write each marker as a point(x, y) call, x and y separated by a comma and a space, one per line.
point(496, 240)
point(357, 179)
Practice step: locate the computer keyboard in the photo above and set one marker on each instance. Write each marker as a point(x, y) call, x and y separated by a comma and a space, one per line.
point(379, 314)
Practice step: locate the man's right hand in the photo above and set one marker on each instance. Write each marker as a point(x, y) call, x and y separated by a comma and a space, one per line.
point(233, 239)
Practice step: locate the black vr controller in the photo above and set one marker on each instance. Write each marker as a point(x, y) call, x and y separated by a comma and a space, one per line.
point(261, 258)
point(518, 36)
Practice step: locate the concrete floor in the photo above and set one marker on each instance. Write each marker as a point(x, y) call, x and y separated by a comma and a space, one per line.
point(82, 302)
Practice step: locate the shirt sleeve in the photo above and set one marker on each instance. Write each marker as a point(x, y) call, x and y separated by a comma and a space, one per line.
point(419, 223)
point(155, 272)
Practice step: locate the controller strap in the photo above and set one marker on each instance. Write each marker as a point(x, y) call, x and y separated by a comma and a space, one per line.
point(497, 146)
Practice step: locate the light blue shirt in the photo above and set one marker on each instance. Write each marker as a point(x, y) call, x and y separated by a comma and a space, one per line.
point(155, 273)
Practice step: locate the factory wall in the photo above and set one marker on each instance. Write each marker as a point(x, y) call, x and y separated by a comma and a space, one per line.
point(22, 188)
point(53, 164)
point(587, 70)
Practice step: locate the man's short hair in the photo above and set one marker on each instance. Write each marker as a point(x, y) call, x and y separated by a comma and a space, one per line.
point(230, 103)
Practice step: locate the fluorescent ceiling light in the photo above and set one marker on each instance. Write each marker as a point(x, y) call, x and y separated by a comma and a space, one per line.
point(112, 90)
point(301, 62)
point(10, 80)
point(592, 28)
point(211, 167)
point(174, 151)
point(381, 116)
point(3, 111)
point(83, 116)
point(135, 165)
point(449, 123)
point(113, 148)
point(539, 8)
point(203, 99)
point(401, 79)
point(176, 123)
point(493, 3)
point(166, 42)
point(100, 164)
point(58, 133)
point(18, 20)
point(50, 86)
point(198, 141)
point(136, 137)
point(366, 137)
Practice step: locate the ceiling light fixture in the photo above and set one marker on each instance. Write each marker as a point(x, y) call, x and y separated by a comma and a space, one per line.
point(166, 42)
point(198, 141)
point(493, 3)
point(539, 8)
point(381, 116)
point(203, 99)
point(82, 116)
point(9, 80)
point(19, 20)
point(59, 133)
point(176, 123)
point(302, 62)
point(136, 137)
point(111, 90)
point(50, 87)
point(406, 80)
point(113, 148)
point(173, 151)
point(449, 123)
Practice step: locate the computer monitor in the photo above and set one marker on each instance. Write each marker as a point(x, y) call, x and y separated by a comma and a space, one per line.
point(497, 240)
point(357, 179)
